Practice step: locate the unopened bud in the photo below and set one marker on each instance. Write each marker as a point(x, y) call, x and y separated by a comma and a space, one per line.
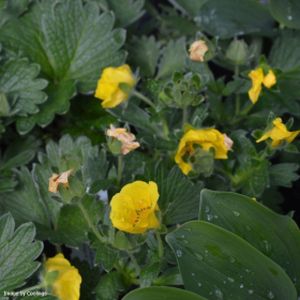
point(237, 52)
point(197, 50)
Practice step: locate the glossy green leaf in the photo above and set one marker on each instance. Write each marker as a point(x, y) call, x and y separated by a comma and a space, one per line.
point(218, 264)
point(163, 293)
point(220, 18)
point(277, 236)
point(18, 252)
point(286, 12)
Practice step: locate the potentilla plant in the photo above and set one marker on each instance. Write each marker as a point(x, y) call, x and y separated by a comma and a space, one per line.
point(149, 151)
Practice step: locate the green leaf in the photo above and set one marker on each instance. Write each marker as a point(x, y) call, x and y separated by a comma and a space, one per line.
point(19, 82)
point(127, 11)
point(284, 174)
point(173, 59)
point(72, 49)
point(18, 250)
point(24, 202)
point(218, 264)
point(284, 54)
point(166, 293)
point(219, 18)
point(286, 12)
point(144, 53)
point(4, 106)
point(190, 7)
point(276, 236)
point(57, 103)
point(109, 286)
point(178, 196)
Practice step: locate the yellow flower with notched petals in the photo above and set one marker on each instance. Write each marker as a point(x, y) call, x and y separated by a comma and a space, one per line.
point(278, 134)
point(205, 138)
point(134, 208)
point(108, 87)
point(66, 285)
point(258, 79)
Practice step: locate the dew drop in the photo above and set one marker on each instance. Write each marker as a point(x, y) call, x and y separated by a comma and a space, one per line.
point(271, 295)
point(193, 274)
point(241, 286)
point(267, 246)
point(230, 279)
point(232, 259)
point(209, 217)
point(236, 213)
point(199, 284)
point(250, 292)
point(247, 270)
point(219, 294)
point(178, 253)
point(199, 256)
point(290, 18)
point(207, 209)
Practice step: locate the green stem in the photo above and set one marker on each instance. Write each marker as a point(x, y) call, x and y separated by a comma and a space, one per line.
point(120, 169)
point(144, 98)
point(237, 96)
point(90, 223)
point(245, 111)
point(135, 263)
point(160, 245)
point(184, 115)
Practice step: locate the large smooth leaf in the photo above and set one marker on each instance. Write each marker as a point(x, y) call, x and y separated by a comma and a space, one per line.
point(165, 293)
point(286, 12)
point(22, 89)
point(74, 48)
point(284, 53)
point(277, 236)
point(18, 250)
point(218, 264)
point(220, 18)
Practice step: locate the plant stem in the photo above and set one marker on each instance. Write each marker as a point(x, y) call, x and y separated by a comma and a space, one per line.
point(237, 96)
point(91, 225)
point(144, 98)
point(160, 245)
point(135, 263)
point(184, 115)
point(120, 169)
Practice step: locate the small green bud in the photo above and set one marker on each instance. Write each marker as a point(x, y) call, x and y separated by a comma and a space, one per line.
point(202, 162)
point(237, 52)
point(114, 146)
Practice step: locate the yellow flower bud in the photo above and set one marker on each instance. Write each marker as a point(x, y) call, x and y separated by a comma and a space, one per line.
point(278, 134)
point(204, 138)
point(109, 89)
point(197, 50)
point(66, 286)
point(134, 208)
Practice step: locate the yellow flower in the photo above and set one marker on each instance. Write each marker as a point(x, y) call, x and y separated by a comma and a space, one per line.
point(206, 139)
point(197, 50)
point(66, 285)
point(133, 209)
point(126, 138)
point(56, 179)
point(108, 87)
point(258, 79)
point(278, 134)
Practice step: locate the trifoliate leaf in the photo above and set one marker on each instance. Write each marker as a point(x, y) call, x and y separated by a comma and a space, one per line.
point(18, 250)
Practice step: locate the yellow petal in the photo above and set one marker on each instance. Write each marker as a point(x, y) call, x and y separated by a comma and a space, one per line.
point(257, 77)
point(269, 80)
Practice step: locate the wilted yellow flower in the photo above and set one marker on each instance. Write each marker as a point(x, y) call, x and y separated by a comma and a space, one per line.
point(108, 87)
point(56, 179)
point(66, 286)
point(126, 138)
point(205, 138)
point(197, 50)
point(278, 134)
point(258, 79)
point(133, 209)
